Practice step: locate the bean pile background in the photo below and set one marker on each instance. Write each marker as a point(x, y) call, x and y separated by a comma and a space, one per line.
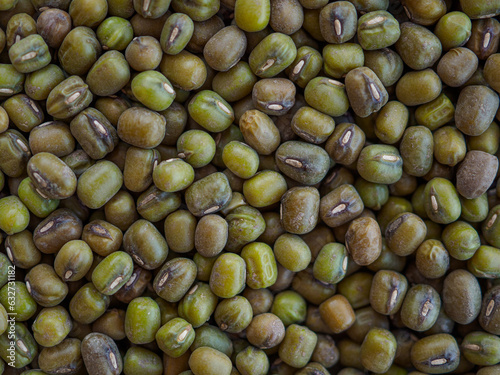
point(220, 187)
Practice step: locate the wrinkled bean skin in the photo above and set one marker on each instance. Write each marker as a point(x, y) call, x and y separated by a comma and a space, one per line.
point(101, 354)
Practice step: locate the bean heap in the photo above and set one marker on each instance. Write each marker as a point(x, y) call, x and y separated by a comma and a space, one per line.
point(222, 187)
